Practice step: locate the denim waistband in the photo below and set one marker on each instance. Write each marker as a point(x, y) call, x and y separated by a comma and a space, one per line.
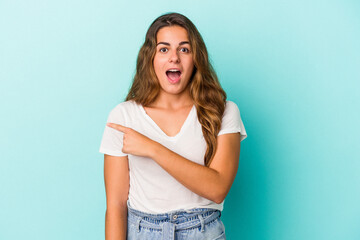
point(174, 220)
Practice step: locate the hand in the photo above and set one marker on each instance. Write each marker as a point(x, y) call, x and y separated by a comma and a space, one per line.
point(134, 142)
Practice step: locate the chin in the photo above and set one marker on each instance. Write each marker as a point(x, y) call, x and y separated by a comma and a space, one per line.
point(173, 90)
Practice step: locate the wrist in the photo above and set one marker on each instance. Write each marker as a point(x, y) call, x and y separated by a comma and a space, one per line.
point(154, 149)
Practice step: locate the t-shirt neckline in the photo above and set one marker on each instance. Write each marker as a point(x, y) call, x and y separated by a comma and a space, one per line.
point(182, 129)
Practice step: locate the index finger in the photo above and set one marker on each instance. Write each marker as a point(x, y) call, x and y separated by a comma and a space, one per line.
point(117, 127)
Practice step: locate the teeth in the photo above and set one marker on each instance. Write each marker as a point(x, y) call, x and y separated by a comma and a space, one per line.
point(173, 70)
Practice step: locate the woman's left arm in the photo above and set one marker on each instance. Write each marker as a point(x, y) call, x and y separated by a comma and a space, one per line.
point(213, 182)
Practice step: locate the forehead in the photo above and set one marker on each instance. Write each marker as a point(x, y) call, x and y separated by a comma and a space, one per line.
point(173, 35)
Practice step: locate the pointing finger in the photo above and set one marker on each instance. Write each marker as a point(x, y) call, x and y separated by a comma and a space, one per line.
point(117, 127)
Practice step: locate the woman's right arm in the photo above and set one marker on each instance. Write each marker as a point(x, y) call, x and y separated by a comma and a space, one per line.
point(116, 176)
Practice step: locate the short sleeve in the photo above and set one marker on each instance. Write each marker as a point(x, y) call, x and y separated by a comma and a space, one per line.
point(112, 140)
point(231, 121)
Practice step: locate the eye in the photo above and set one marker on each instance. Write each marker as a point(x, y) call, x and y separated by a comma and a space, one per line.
point(184, 49)
point(163, 50)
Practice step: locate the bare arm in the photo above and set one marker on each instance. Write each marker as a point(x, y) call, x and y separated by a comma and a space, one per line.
point(116, 176)
point(211, 182)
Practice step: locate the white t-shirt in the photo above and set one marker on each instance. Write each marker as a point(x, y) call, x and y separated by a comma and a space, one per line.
point(152, 189)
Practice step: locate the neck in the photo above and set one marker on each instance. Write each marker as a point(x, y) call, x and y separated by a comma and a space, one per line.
point(173, 101)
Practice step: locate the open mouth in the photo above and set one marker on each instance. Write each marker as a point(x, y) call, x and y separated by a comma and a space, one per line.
point(173, 75)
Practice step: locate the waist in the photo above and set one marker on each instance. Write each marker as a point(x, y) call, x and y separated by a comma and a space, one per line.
point(165, 203)
point(182, 219)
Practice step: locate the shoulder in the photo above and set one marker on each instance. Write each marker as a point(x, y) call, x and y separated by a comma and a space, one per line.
point(230, 104)
point(124, 106)
point(123, 110)
point(231, 108)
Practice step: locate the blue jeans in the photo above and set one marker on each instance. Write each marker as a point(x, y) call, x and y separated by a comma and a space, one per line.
point(198, 223)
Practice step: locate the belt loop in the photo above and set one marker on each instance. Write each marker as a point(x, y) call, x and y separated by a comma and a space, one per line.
point(201, 222)
point(138, 224)
point(168, 231)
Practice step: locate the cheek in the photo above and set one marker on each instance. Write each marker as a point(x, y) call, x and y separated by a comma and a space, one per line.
point(158, 64)
point(190, 66)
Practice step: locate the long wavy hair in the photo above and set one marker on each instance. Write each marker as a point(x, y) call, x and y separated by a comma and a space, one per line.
point(205, 90)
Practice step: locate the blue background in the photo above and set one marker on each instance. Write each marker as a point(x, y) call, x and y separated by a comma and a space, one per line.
point(291, 66)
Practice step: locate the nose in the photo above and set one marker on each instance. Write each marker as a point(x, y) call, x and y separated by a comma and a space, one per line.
point(174, 56)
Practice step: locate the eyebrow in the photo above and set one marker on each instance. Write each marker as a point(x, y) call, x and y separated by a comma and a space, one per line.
point(168, 44)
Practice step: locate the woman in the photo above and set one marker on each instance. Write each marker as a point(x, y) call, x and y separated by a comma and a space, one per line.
point(172, 148)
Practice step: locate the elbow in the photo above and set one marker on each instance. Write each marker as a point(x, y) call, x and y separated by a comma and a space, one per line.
point(220, 191)
point(219, 196)
point(219, 199)
point(116, 205)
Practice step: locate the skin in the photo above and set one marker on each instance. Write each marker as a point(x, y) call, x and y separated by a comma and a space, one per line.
point(173, 51)
point(169, 111)
point(116, 177)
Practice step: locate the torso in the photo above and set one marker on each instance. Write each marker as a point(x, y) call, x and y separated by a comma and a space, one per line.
point(170, 121)
point(152, 189)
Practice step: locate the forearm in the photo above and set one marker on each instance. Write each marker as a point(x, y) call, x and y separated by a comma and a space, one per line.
point(202, 180)
point(116, 223)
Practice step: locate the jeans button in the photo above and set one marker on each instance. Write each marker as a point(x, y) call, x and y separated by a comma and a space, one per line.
point(175, 217)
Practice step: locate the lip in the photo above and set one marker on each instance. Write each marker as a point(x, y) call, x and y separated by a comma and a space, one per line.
point(175, 69)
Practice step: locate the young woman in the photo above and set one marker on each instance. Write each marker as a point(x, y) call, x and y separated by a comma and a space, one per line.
point(172, 147)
